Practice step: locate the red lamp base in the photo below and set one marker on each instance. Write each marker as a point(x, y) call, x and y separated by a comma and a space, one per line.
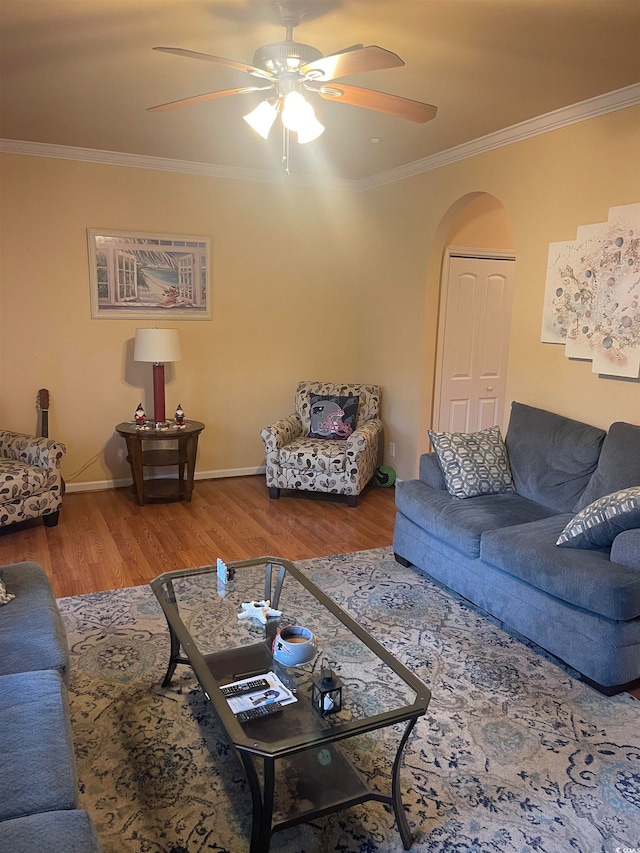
point(158, 393)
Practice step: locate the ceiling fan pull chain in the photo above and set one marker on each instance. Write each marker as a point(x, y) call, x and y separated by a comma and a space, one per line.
point(286, 137)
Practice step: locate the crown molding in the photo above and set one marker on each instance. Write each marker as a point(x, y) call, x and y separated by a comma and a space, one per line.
point(620, 99)
point(592, 108)
point(165, 164)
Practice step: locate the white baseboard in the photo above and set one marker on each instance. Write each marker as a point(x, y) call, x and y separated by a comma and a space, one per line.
point(102, 485)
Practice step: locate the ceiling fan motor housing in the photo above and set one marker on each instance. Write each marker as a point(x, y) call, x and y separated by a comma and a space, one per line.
point(285, 56)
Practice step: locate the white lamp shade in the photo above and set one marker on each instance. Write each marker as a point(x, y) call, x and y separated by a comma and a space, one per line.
point(312, 129)
point(157, 345)
point(295, 111)
point(262, 118)
point(299, 116)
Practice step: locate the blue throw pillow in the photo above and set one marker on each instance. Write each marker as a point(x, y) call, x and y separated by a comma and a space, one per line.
point(597, 525)
point(332, 417)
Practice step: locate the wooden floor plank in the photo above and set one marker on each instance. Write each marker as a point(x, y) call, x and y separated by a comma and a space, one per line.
point(104, 540)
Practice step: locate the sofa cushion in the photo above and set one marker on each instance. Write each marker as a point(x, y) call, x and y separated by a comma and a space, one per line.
point(460, 523)
point(626, 548)
point(597, 525)
point(473, 463)
point(618, 465)
point(20, 480)
point(431, 472)
point(37, 765)
point(315, 454)
point(68, 831)
point(331, 416)
point(552, 457)
point(586, 579)
point(32, 634)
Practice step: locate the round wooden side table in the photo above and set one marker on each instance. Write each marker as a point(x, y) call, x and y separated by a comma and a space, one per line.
point(141, 457)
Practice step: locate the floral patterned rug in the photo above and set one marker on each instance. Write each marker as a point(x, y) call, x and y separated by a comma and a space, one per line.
point(513, 755)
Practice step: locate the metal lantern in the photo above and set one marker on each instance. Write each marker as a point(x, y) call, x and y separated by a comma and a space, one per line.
point(326, 692)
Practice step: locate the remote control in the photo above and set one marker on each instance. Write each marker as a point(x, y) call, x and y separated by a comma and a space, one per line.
point(256, 713)
point(248, 687)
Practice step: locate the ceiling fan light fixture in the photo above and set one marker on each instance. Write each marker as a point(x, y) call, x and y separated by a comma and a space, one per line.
point(295, 111)
point(262, 118)
point(312, 129)
point(299, 116)
point(289, 67)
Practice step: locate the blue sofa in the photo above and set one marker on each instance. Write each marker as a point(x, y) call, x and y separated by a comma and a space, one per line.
point(39, 802)
point(499, 551)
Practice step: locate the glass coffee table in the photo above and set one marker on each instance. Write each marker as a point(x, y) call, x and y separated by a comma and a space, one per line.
point(299, 765)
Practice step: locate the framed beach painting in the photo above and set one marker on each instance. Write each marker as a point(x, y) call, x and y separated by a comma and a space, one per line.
point(147, 276)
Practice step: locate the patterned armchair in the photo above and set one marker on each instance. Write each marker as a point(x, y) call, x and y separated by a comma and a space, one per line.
point(342, 466)
point(30, 479)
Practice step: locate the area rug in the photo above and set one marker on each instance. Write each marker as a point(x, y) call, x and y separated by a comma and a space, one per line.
point(513, 755)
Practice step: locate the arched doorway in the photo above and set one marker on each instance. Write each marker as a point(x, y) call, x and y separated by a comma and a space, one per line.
point(474, 321)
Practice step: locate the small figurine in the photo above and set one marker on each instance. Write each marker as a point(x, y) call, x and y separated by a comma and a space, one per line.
point(258, 610)
point(179, 415)
point(140, 416)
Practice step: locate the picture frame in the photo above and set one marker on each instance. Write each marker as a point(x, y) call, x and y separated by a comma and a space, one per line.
point(134, 275)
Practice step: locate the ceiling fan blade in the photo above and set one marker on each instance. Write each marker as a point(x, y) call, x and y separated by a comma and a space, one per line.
point(352, 60)
point(351, 47)
point(208, 96)
point(220, 60)
point(382, 102)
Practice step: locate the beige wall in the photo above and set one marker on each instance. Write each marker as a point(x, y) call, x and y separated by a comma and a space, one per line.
point(284, 304)
point(306, 284)
point(548, 186)
point(482, 224)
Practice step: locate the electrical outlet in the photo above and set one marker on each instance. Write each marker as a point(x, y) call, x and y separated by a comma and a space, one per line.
point(392, 449)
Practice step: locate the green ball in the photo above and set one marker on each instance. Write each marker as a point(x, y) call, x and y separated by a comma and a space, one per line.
point(385, 476)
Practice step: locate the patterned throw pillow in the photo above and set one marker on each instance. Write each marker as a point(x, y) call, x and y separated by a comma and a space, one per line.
point(597, 525)
point(332, 417)
point(5, 597)
point(473, 463)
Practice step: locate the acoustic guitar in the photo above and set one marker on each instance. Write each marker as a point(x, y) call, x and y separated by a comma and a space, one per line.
point(42, 405)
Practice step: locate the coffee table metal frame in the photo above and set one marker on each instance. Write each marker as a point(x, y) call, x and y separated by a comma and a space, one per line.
point(214, 670)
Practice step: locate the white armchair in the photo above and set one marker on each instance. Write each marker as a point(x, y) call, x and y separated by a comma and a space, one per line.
point(30, 478)
point(343, 466)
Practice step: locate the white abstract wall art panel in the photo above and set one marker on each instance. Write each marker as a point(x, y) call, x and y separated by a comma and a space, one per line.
point(592, 294)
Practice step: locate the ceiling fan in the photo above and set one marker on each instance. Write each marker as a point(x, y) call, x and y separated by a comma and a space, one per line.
point(289, 68)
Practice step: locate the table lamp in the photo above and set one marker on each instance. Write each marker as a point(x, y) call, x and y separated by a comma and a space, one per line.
point(158, 346)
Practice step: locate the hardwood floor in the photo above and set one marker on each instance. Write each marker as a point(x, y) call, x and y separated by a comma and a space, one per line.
point(104, 540)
